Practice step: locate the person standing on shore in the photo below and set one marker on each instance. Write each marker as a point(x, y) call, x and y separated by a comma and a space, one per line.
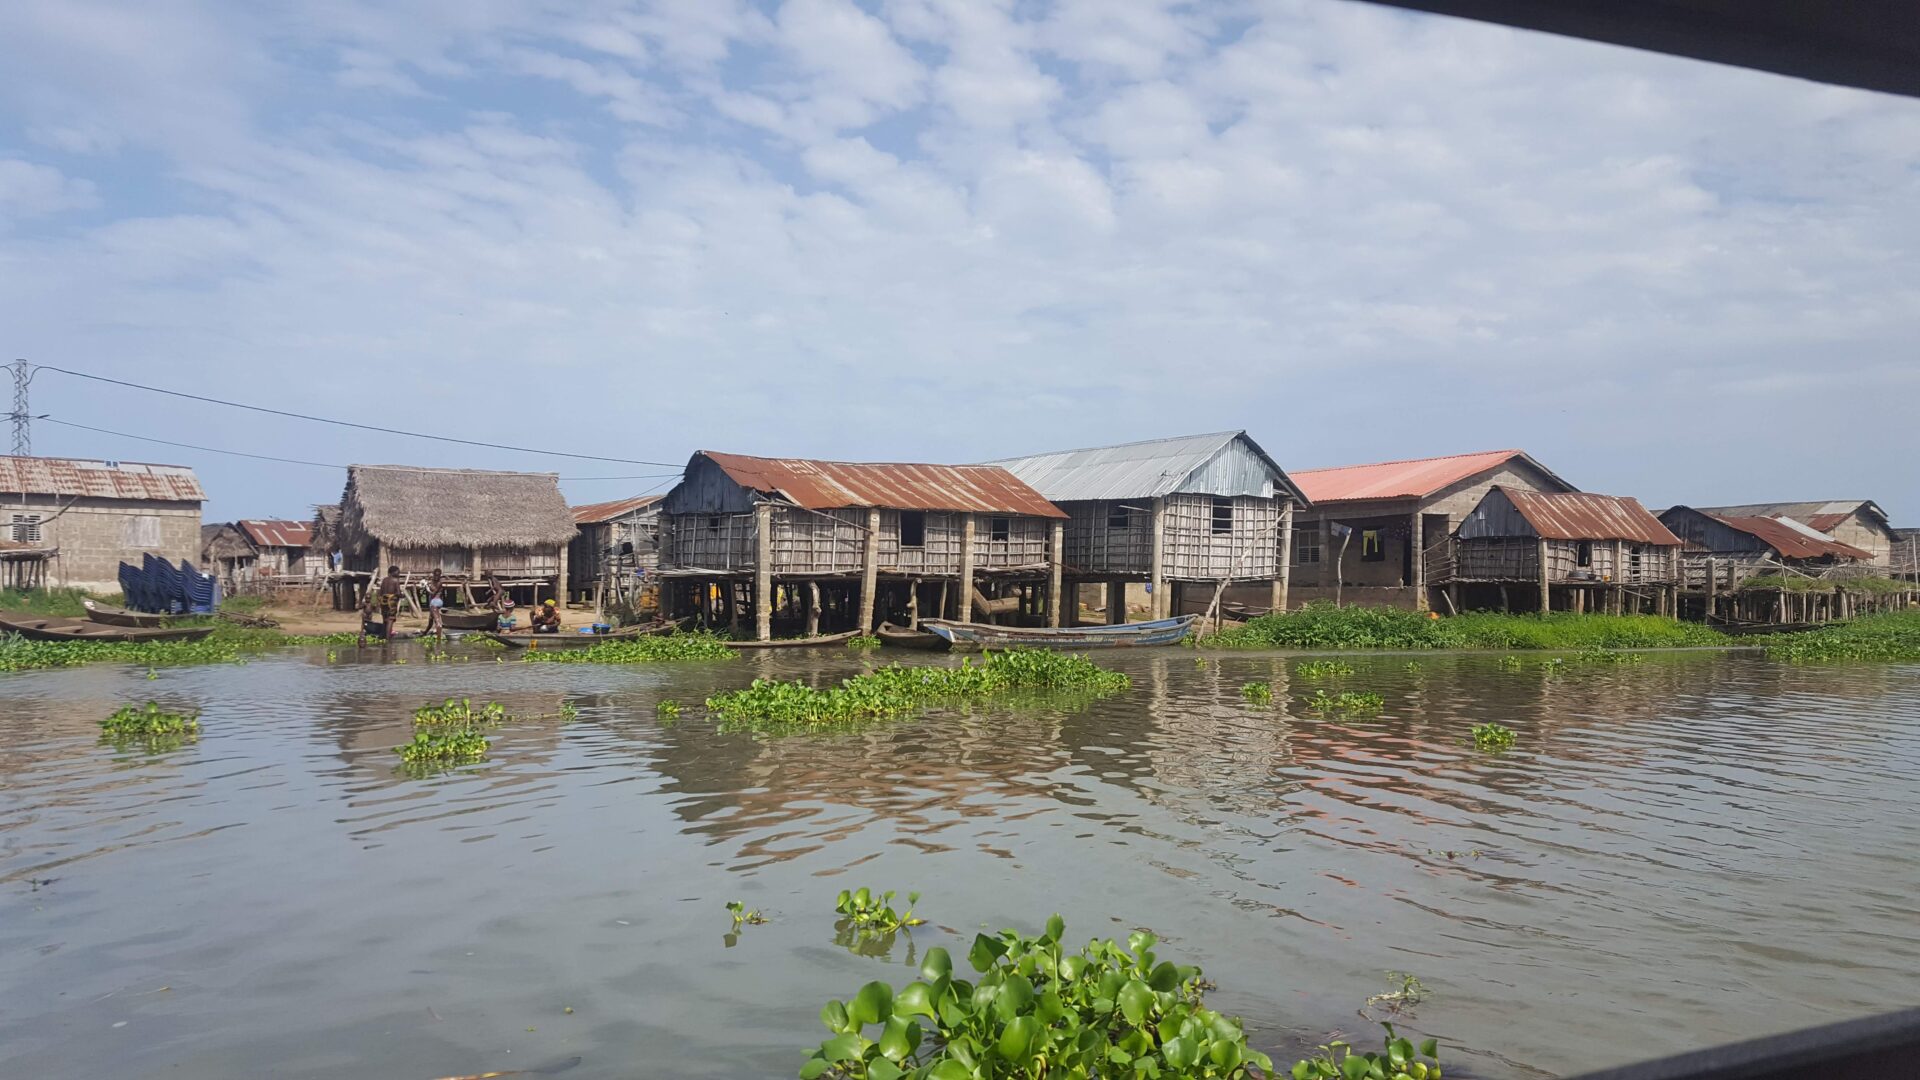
point(390, 589)
point(436, 605)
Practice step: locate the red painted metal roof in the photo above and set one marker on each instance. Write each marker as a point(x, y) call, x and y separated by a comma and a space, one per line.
point(832, 485)
point(594, 513)
point(287, 534)
point(99, 479)
point(1791, 543)
point(1415, 479)
point(1581, 515)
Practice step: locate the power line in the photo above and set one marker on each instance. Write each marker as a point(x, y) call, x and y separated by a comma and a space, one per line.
point(316, 464)
point(344, 423)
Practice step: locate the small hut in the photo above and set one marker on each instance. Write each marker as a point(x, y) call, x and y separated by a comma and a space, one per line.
point(1599, 552)
point(227, 554)
point(281, 548)
point(617, 545)
point(469, 524)
point(807, 543)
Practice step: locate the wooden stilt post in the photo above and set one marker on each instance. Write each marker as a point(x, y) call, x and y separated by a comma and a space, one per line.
point(1056, 570)
point(813, 609)
point(1116, 602)
point(1416, 536)
point(1546, 571)
point(1157, 604)
point(942, 607)
point(870, 570)
point(965, 602)
point(1283, 573)
point(763, 571)
point(913, 604)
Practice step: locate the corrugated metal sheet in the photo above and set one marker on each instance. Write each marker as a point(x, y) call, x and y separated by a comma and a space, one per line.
point(99, 479)
point(1575, 515)
point(595, 513)
point(1414, 479)
point(1788, 537)
point(1227, 463)
point(832, 485)
point(287, 534)
point(1825, 516)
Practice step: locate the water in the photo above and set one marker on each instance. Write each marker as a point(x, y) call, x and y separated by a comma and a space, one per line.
point(1681, 852)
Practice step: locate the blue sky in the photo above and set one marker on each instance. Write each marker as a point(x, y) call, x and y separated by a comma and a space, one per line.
point(946, 230)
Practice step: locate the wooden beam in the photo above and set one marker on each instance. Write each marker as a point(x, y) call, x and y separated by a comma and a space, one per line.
point(1157, 602)
point(1417, 537)
point(763, 571)
point(1056, 568)
point(870, 570)
point(813, 609)
point(965, 603)
point(1546, 587)
point(1116, 602)
point(1283, 576)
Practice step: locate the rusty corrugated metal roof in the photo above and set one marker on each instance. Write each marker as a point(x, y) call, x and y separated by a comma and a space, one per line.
point(100, 479)
point(1582, 515)
point(1792, 543)
point(1824, 515)
point(833, 485)
point(287, 534)
point(595, 513)
point(1414, 479)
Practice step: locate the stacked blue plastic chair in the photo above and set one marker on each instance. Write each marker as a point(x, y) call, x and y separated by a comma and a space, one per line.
point(197, 590)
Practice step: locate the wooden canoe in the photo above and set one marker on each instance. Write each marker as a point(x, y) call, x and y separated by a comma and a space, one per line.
point(468, 620)
point(899, 637)
point(795, 642)
point(1159, 632)
point(571, 639)
point(122, 617)
point(39, 628)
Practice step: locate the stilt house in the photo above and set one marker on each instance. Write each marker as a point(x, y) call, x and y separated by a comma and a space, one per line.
point(1858, 523)
point(280, 548)
point(809, 543)
point(1207, 510)
point(1382, 533)
point(1723, 550)
point(1906, 554)
point(227, 554)
point(1593, 551)
point(469, 524)
point(617, 541)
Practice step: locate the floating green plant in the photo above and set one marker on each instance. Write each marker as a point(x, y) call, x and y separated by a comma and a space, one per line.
point(1600, 654)
point(894, 691)
point(569, 712)
point(667, 711)
point(1324, 626)
point(1412, 665)
point(1323, 669)
point(147, 722)
point(863, 641)
point(443, 747)
point(1346, 701)
point(1404, 992)
point(1399, 1059)
point(1511, 663)
point(1492, 738)
point(1259, 693)
point(1889, 636)
point(460, 714)
point(1037, 1009)
point(743, 915)
point(639, 650)
point(863, 909)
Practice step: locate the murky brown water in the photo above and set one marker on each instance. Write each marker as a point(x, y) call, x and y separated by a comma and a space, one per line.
point(1681, 852)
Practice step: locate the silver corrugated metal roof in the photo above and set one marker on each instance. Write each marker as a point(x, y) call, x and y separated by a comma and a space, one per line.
point(1191, 464)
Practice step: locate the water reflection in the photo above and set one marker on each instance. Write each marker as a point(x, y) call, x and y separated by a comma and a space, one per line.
point(1687, 849)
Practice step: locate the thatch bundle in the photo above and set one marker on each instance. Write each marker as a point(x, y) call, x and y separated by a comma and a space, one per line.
point(408, 507)
point(326, 529)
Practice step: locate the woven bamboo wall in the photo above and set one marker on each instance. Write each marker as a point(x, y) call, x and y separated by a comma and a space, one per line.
point(939, 556)
point(817, 541)
point(706, 541)
point(1518, 559)
point(1025, 545)
point(1248, 550)
point(1095, 545)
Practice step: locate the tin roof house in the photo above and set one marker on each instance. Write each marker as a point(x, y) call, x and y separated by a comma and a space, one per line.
point(87, 516)
point(1591, 552)
point(1858, 523)
point(806, 543)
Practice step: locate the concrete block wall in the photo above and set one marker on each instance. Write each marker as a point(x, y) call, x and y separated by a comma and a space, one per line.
point(96, 535)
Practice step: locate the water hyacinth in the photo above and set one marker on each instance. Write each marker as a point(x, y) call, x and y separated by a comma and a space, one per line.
point(1346, 701)
point(893, 692)
point(1492, 738)
point(1259, 693)
point(459, 715)
point(443, 748)
point(1890, 636)
point(639, 650)
point(148, 721)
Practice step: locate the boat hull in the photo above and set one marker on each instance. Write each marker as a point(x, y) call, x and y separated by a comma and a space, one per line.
point(1128, 635)
point(35, 628)
point(899, 637)
point(794, 643)
point(469, 620)
point(119, 617)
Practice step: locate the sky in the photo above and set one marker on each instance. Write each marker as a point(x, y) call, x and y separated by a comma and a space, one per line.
point(947, 230)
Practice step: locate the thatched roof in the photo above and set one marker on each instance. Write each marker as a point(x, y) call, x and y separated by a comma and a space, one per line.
point(222, 540)
point(326, 528)
point(460, 508)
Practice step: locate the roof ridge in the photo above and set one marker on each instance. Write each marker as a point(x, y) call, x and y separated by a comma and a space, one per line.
point(1234, 433)
point(1411, 461)
point(860, 464)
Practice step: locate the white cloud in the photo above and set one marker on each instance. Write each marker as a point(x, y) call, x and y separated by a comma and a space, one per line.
point(30, 190)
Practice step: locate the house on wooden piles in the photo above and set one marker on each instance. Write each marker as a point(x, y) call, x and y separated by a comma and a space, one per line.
point(1593, 552)
point(804, 545)
point(1381, 534)
point(1906, 554)
point(1197, 510)
point(227, 554)
point(1858, 523)
point(471, 525)
point(86, 516)
point(617, 546)
point(281, 550)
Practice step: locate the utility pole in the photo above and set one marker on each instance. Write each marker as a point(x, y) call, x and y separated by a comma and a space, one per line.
point(22, 419)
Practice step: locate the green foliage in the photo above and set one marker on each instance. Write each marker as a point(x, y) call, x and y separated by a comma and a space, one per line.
point(1323, 626)
point(57, 603)
point(1492, 738)
point(744, 916)
point(246, 605)
point(459, 715)
point(1399, 1059)
point(893, 692)
point(225, 645)
point(667, 711)
point(1890, 636)
point(569, 712)
point(147, 722)
point(862, 909)
point(1511, 663)
point(1600, 654)
point(1259, 693)
point(1037, 1010)
point(863, 641)
point(344, 637)
point(1346, 701)
point(447, 747)
point(1412, 665)
point(1872, 586)
point(1323, 669)
point(651, 649)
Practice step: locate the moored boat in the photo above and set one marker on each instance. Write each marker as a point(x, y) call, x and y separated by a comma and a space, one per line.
point(899, 637)
point(1158, 632)
point(44, 628)
point(469, 620)
point(122, 617)
point(795, 642)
